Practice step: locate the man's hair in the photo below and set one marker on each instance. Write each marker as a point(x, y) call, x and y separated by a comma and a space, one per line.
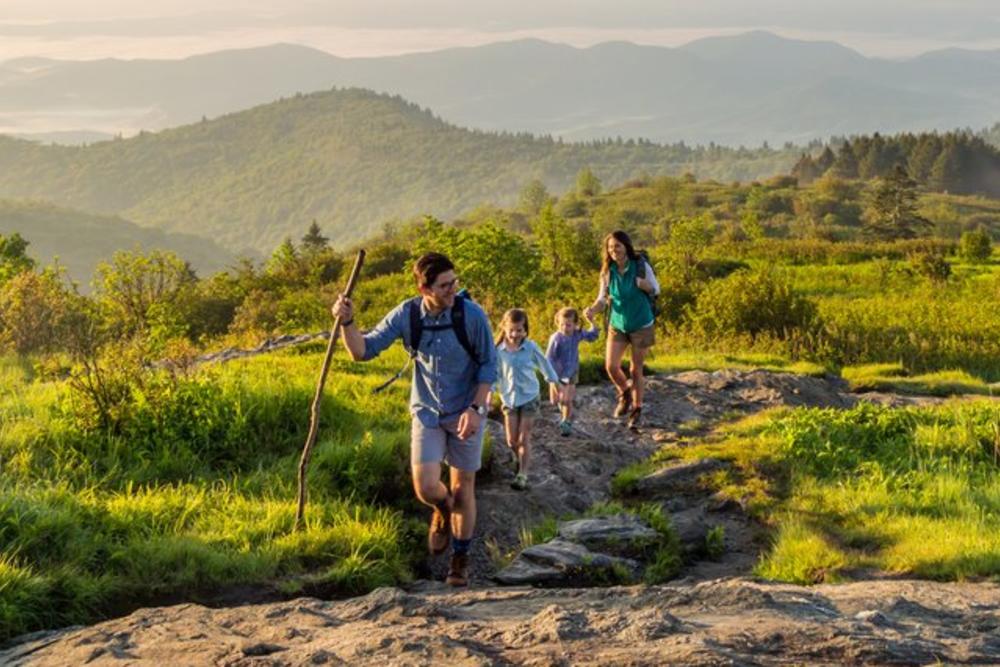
point(429, 266)
point(568, 313)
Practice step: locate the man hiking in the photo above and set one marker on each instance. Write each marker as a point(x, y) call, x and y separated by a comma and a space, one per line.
point(451, 344)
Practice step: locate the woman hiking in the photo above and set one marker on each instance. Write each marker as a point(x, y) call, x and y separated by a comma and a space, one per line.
point(627, 285)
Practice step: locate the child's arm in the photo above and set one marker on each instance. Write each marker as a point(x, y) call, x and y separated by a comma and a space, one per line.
point(543, 364)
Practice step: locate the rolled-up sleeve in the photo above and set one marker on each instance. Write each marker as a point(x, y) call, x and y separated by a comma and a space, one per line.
point(482, 340)
point(385, 332)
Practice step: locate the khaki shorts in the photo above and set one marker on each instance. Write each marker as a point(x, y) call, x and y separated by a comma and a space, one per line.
point(642, 339)
point(434, 445)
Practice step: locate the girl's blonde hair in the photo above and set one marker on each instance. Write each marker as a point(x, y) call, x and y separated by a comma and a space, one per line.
point(567, 312)
point(512, 316)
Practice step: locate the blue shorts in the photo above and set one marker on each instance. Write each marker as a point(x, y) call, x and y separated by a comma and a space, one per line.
point(434, 445)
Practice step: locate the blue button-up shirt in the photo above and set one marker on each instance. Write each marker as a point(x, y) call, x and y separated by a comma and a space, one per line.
point(518, 383)
point(445, 378)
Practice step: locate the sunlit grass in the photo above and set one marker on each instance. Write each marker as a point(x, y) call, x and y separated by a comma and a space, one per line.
point(912, 491)
point(893, 377)
point(92, 523)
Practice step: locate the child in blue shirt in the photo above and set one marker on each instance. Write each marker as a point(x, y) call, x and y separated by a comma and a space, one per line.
point(517, 360)
point(563, 353)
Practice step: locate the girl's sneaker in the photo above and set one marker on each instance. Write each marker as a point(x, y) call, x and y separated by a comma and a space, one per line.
point(623, 405)
point(565, 428)
point(520, 482)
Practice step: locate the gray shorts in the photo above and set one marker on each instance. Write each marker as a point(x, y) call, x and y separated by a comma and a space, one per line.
point(532, 408)
point(434, 445)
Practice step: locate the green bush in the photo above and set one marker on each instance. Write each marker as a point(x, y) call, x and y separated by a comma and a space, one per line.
point(750, 303)
point(975, 246)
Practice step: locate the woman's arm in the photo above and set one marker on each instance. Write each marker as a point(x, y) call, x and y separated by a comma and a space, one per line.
point(649, 284)
point(602, 296)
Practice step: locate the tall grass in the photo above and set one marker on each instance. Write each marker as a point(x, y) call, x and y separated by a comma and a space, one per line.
point(912, 491)
point(197, 491)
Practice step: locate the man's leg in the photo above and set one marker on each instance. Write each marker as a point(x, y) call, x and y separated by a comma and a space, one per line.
point(427, 447)
point(463, 515)
point(427, 484)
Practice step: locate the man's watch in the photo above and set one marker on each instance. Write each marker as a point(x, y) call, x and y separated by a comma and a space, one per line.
point(480, 409)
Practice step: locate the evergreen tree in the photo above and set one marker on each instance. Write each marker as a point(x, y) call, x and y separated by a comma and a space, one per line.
point(13, 257)
point(587, 184)
point(825, 161)
point(891, 208)
point(806, 170)
point(314, 241)
point(534, 196)
point(846, 164)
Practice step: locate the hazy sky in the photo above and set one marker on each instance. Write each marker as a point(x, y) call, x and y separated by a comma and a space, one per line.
point(78, 29)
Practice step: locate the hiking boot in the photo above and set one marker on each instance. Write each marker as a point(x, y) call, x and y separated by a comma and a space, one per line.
point(458, 570)
point(635, 418)
point(624, 403)
point(565, 428)
point(439, 533)
point(520, 482)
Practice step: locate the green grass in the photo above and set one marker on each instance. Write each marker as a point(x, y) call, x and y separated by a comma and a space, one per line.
point(894, 378)
point(908, 491)
point(197, 492)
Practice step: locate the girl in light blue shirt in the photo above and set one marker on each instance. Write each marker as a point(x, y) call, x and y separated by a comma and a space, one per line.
point(518, 359)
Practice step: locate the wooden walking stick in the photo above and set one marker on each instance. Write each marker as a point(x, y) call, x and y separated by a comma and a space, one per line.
point(314, 411)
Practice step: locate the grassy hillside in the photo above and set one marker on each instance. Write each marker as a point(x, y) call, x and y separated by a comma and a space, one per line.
point(349, 159)
point(81, 240)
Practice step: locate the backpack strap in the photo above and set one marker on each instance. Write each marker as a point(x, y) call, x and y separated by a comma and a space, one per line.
point(458, 322)
point(416, 327)
point(640, 265)
point(411, 342)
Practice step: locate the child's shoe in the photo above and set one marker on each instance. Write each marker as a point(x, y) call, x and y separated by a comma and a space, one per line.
point(520, 482)
point(635, 418)
point(565, 428)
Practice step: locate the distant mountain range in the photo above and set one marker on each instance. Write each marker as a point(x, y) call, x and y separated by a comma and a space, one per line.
point(735, 90)
point(348, 159)
point(80, 240)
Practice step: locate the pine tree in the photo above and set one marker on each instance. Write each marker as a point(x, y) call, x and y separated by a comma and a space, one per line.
point(891, 208)
point(314, 241)
point(846, 165)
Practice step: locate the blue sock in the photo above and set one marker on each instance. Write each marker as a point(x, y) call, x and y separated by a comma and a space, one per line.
point(460, 546)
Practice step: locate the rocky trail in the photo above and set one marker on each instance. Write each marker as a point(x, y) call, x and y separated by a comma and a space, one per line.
point(713, 613)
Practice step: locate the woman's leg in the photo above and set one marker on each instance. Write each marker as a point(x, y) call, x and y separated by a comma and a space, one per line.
point(553, 394)
point(613, 363)
point(638, 357)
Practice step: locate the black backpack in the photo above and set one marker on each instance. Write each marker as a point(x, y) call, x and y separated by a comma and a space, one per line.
point(417, 329)
point(640, 272)
point(457, 323)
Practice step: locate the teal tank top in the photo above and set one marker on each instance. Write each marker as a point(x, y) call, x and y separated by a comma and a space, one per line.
point(630, 307)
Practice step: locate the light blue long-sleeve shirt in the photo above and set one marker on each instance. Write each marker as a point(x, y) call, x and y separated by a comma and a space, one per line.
point(445, 377)
point(517, 382)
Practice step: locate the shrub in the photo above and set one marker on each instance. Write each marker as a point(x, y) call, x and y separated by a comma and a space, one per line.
point(975, 246)
point(750, 303)
point(931, 266)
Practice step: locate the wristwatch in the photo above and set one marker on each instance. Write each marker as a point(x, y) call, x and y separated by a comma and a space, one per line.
point(480, 409)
